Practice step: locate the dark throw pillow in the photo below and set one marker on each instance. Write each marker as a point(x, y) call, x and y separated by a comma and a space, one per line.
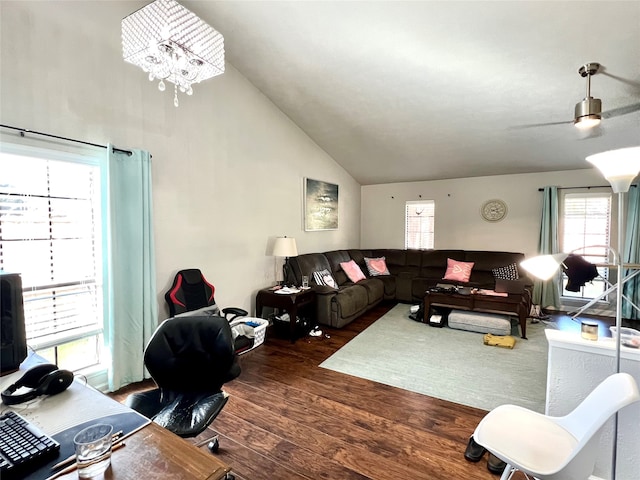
point(508, 272)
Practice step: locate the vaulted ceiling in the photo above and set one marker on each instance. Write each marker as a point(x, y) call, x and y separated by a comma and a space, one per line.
point(403, 91)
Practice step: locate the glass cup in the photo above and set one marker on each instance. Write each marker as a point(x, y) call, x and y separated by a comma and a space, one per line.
point(305, 281)
point(93, 449)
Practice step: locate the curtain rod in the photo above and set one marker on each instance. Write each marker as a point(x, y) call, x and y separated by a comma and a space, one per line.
point(25, 130)
point(589, 186)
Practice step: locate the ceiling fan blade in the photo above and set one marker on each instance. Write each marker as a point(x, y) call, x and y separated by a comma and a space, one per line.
point(534, 125)
point(616, 112)
point(633, 83)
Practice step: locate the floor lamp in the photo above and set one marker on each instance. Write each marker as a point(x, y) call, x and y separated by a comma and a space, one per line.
point(619, 168)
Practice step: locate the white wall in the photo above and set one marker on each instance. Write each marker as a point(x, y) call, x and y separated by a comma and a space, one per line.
point(458, 223)
point(228, 166)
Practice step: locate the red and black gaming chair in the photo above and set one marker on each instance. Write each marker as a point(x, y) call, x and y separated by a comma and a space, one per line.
point(191, 291)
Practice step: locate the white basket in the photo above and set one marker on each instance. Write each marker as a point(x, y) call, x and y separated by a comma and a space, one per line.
point(626, 334)
point(259, 332)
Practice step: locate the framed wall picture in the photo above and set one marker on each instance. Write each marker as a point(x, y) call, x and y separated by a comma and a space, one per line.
point(320, 205)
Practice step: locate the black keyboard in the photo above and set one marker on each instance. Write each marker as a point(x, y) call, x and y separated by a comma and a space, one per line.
point(23, 446)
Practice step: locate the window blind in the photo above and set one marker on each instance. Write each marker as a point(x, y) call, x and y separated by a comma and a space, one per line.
point(50, 233)
point(419, 224)
point(587, 220)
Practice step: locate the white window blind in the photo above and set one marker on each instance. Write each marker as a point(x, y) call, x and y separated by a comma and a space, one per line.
point(587, 220)
point(586, 227)
point(419, 224)
point(50, 233)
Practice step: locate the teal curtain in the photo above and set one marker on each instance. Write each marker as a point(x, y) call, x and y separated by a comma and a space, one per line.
point(632, 253)
point(133, 309)
point(547, 293)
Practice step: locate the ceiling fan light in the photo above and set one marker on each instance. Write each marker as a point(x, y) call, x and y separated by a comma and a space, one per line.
point(587, 113)
point(587, 122)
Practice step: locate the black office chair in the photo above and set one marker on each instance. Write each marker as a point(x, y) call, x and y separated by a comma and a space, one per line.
point(189, 359)
point(191, 291)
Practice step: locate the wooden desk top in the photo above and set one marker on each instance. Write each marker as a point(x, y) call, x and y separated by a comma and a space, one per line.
point(154, 452)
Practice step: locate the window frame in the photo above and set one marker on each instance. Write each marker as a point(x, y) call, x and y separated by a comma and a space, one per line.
point(584, 251)
point(84, 156)
point(431, 204)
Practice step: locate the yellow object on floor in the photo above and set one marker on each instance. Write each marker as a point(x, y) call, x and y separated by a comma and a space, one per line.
point(504, 341)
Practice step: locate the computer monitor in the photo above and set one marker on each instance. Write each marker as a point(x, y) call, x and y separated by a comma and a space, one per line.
point(12, 332)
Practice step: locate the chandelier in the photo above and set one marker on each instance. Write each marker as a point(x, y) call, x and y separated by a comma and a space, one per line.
point(172, 44)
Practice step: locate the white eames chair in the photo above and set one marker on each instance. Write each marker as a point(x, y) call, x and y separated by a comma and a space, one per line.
point(554, 448)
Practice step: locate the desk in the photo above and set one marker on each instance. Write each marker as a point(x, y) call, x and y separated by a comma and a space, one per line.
point(150, 452)
point(290, 303)
point(155, 452)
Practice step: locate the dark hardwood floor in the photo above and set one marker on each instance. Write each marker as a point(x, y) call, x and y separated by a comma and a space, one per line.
point(289, 419)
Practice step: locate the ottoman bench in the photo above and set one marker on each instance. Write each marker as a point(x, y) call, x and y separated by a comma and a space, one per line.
point(480, 322)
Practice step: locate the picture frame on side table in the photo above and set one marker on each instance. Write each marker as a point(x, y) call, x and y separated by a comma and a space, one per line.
point(320, 205)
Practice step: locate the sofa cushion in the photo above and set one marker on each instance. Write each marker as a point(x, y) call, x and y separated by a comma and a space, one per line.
point(353, 271)
point(375, 290)
point(335, 258)
point(484, 260)
point(433, 263)
point(458, 271)
point(376, 266)
point(324, 277)
point(352, 300)
point(306, 264)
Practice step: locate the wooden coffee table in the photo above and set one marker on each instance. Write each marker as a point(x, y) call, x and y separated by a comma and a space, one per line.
point(511, 304)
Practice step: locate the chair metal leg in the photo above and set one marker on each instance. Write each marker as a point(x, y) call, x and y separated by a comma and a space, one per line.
point(508, 472)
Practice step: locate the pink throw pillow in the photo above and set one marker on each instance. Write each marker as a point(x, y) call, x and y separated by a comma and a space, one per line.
point(376, 266)
point(353, 271)
point(458, 271)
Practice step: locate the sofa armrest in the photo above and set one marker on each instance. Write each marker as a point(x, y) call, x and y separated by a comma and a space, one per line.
point(324, 290)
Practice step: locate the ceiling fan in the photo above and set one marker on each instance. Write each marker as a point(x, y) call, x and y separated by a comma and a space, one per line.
point(588, 112)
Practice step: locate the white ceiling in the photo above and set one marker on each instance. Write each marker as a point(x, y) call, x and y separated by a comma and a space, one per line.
point(405, 91)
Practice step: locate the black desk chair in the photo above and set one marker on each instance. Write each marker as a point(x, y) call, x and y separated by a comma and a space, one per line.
point(191, 291)
point(189, 359)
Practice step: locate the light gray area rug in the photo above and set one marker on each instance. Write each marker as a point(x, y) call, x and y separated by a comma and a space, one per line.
point(449, 364)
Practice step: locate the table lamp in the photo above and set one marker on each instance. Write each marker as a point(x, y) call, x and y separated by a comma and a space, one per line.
point(284, 247)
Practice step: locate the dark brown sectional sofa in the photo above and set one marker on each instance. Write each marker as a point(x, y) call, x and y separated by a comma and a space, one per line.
point(412, 273)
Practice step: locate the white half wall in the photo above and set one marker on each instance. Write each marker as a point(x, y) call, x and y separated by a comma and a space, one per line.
point(228, 166)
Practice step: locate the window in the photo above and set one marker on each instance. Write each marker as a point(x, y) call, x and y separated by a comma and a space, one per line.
point(586, 226)
point(51, 233)
point(419, 224)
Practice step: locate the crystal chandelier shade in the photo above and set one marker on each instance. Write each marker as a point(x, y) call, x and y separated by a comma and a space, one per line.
point(171, 43)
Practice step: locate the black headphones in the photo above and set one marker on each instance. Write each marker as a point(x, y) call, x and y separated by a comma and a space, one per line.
point(45, 379)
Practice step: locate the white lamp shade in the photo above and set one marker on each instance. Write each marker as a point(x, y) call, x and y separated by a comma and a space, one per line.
point(619, 167)
point(285, 247)
point(544, 266)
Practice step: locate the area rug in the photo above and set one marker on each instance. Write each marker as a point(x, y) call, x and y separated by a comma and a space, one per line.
point(452, 365)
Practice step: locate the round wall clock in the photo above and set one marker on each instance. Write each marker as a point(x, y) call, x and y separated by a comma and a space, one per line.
point(493, 210)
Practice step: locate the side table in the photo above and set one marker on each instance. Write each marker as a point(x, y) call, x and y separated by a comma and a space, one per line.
point(290, 303)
